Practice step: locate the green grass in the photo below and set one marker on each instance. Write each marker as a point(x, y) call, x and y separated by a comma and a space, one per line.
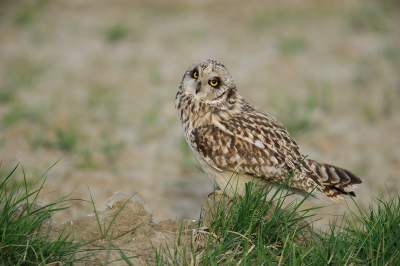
point(24, 225)
point(85, 159)
point(24, 16)
point(251, 230)
point(116, 33)
point(105, 227)
point(67, 139)
point(392, 54)
point(22, 71)
point(18, 114)
point(37, 140)
point(6, 94)
point(28, 12)
point(247, 230)
point(369, 19)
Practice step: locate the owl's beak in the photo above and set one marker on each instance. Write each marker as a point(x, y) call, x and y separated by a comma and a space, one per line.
point(198, 88)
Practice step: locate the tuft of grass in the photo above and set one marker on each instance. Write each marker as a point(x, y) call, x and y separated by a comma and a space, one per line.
point(116, 33)
point(28, 12)
point(6, 95)
point(368, 19)
point(25, 225)
point(366, 237)
point(25, 16)
point(249, 233)
point(66, 140)
point(392, 54)
point(26, 233)
point(255, 230)
point(38, 140)
point(23, 71)
point(26, 236)
point(375, 232)
point(247, 230)
point(85, 159)
point(17, 114)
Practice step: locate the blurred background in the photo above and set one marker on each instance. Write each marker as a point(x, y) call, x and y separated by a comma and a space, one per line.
point(94, 82)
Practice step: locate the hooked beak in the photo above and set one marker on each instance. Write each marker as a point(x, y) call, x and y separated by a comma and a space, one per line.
point(198, 88)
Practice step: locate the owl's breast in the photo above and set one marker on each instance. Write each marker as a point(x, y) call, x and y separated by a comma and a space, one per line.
point(192, 113)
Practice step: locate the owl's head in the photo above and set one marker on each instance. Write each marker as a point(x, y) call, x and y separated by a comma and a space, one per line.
point(208, 81)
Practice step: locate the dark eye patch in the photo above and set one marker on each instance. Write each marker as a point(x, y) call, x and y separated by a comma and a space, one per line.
point(195, 74)
point(214, 82)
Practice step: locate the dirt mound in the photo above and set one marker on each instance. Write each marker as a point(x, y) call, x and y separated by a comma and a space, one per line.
point(127, 225)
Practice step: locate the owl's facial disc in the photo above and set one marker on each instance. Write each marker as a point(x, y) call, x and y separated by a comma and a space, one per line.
point(207, 81)
point(203, 83)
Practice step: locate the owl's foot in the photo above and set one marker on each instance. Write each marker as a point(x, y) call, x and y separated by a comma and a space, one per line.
point(216, 192)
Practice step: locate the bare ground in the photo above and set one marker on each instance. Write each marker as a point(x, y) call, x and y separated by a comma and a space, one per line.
point(124, 226)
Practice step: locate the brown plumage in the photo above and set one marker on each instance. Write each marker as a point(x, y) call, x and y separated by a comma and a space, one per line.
point(236, 142)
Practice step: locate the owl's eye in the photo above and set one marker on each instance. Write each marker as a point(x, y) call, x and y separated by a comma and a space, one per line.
point(213, 82)
point(195, 74)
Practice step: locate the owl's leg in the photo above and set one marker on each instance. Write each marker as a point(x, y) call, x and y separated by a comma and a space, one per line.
point(216, 192)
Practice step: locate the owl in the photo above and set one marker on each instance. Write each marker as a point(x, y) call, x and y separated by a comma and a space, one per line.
point(236, 142)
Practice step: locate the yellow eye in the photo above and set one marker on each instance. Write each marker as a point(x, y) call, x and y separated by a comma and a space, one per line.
point(195, 75)
point(213, 83)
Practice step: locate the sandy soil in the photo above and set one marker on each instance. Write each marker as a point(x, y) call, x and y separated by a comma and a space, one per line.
point(94, 84)
point(127, 225)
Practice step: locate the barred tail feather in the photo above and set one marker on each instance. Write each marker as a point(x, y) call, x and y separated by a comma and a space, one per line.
point(335, 181)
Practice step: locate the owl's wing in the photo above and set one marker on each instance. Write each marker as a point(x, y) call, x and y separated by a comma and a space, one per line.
point(259, 145)
point(255, 144)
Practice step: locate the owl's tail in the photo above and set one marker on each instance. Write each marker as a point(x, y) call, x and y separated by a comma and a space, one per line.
point(335, 181)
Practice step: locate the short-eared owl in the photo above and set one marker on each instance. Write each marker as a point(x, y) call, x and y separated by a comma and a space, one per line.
point(236, 142)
